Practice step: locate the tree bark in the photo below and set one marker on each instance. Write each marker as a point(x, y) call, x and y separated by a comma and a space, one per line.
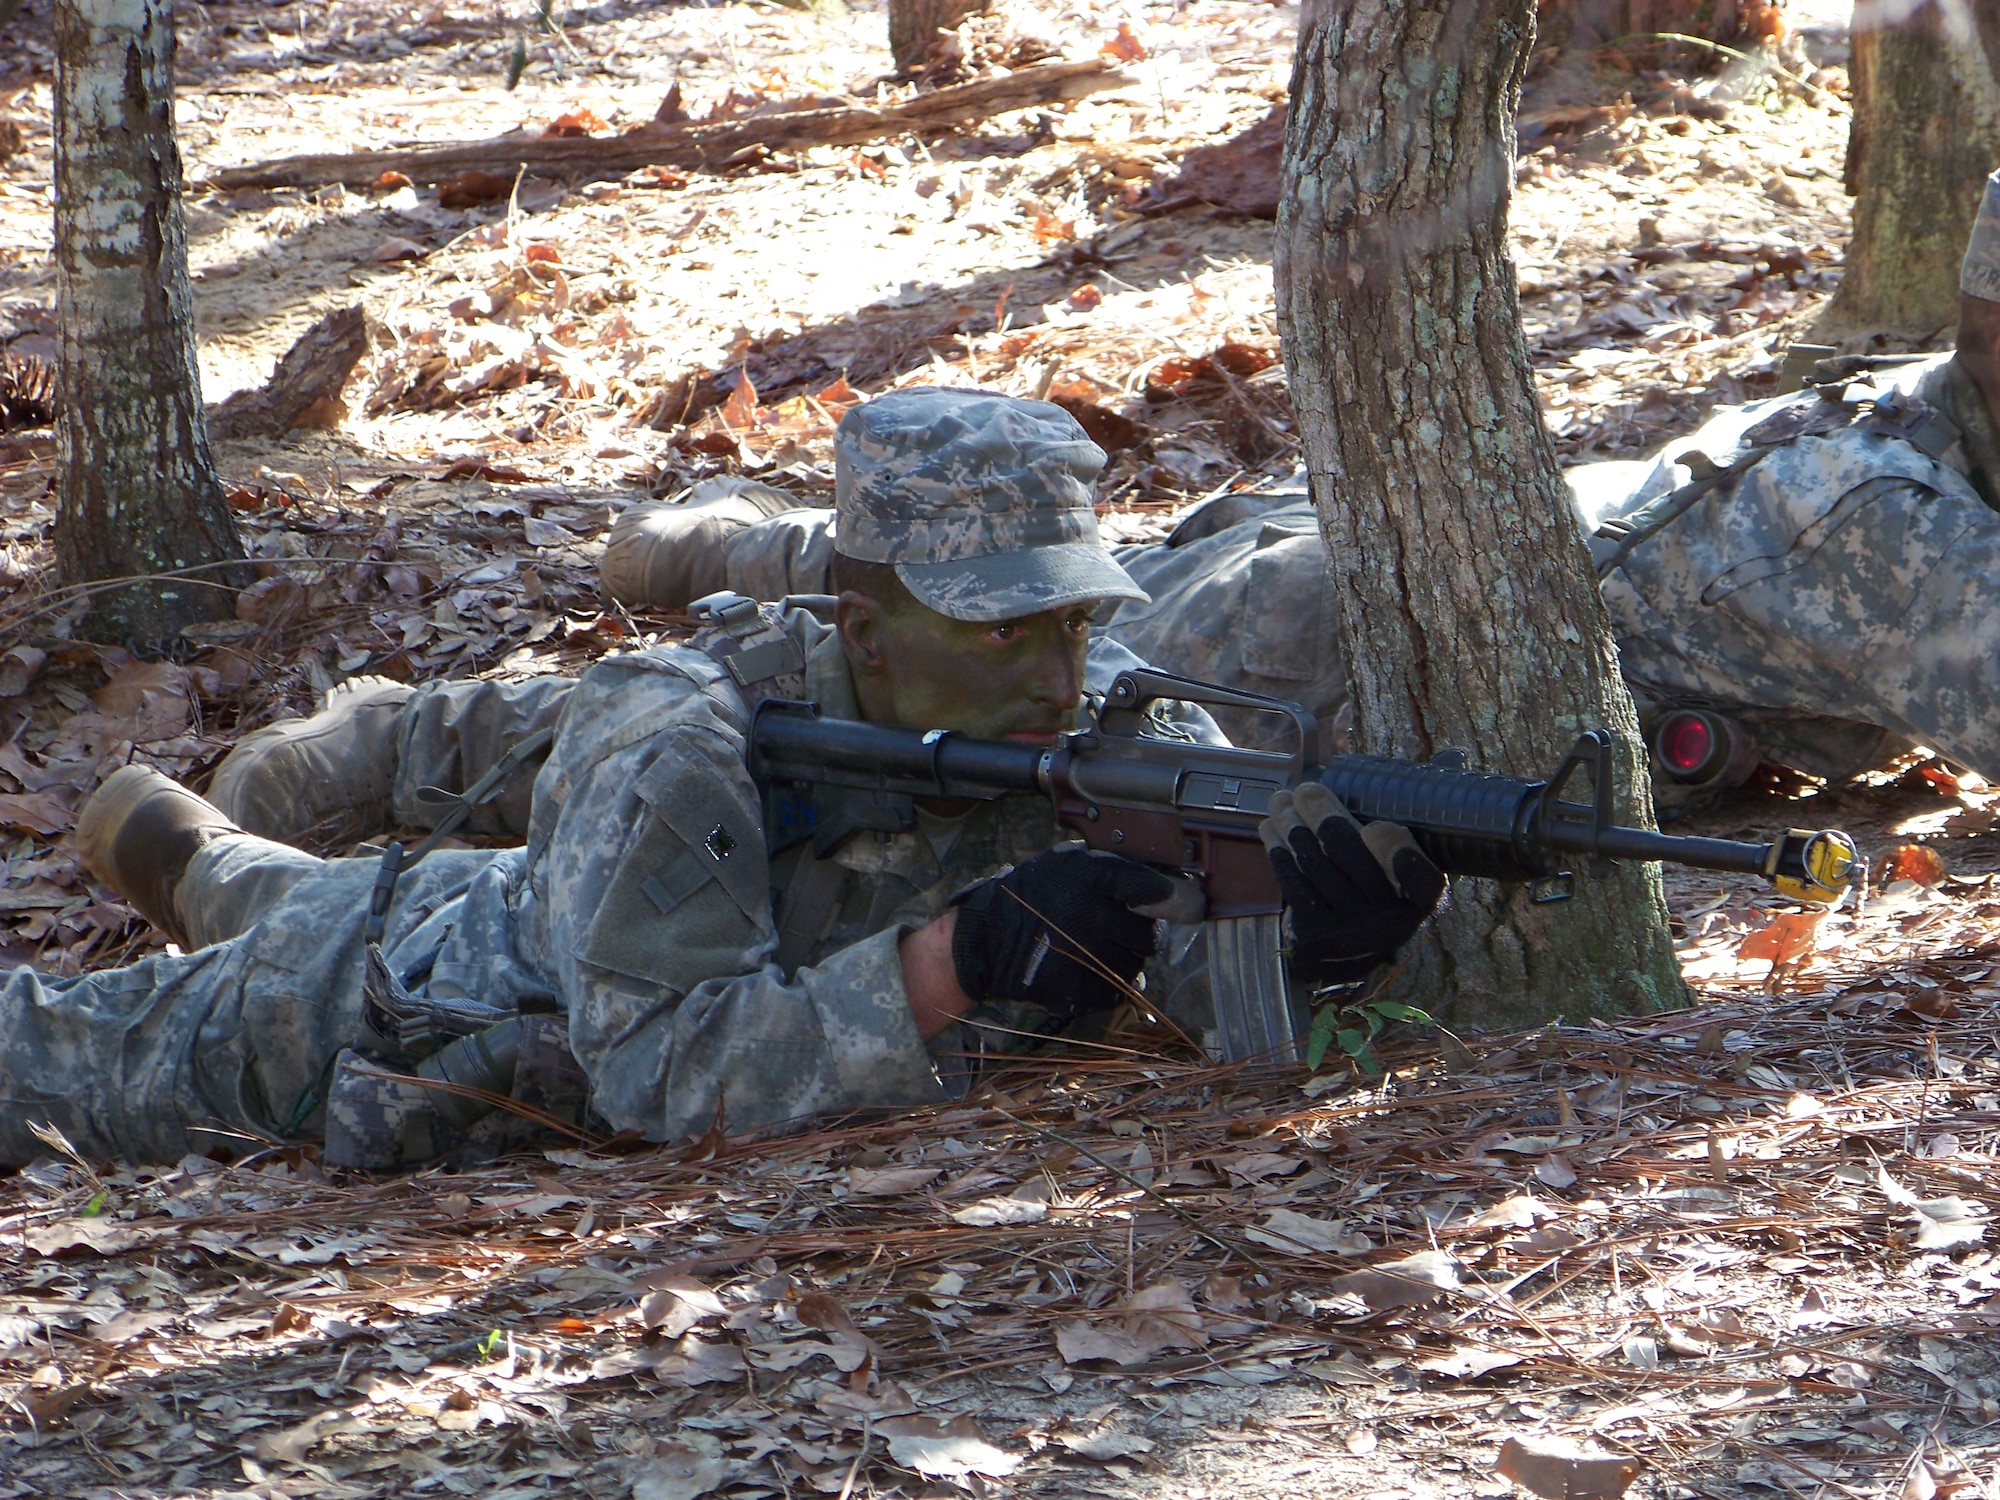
point(138, 492)
point(304, 390)
point(914, 26)
point(1925, 132)
point(1464, 591)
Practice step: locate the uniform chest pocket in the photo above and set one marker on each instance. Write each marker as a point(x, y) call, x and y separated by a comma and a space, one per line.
point(690, 900)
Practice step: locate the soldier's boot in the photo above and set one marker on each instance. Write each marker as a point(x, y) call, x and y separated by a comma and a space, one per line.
point(138, 833)
point(330, 775)
point(664, 555)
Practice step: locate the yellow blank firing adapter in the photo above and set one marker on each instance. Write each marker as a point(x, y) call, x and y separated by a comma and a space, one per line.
point(1815, 867)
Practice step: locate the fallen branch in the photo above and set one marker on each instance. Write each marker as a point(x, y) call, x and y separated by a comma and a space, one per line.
point(304, 390)
point(704, 146)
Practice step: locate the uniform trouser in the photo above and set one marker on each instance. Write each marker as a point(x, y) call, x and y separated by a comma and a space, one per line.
point(450, 733)
point(228, 1045)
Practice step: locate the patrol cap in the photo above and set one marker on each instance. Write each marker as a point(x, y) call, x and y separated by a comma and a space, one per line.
point(1979, 276)
point(982, 502)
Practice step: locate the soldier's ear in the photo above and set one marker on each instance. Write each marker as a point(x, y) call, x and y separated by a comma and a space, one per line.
point(858, 618)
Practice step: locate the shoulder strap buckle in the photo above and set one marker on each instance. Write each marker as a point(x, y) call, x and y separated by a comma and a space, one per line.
point(725, 609)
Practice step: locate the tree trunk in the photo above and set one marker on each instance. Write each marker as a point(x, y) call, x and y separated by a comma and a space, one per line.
point(1465, 593)
point(138, 490)
point(1925, 132)
point(914, 26)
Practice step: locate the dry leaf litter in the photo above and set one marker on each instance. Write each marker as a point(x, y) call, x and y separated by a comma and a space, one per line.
point(1735, 1250)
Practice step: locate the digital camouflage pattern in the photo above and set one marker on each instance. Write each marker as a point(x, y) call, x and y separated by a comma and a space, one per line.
point(704, 971)
point(445, 738)
point(983, 503)
point(1831, 598)
point(229, 1044)
point(643, 900)
point(1847, 575)
point(1843, 579)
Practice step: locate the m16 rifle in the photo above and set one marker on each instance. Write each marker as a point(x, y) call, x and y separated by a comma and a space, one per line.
point(1192, 809)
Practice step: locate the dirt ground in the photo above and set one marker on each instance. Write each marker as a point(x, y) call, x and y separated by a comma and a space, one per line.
point(1736, 1250)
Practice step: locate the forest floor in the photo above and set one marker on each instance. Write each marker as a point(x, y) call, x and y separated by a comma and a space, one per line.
point(1733, 1250)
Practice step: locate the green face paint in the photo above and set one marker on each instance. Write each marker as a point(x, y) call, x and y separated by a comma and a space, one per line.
point(1011, 679)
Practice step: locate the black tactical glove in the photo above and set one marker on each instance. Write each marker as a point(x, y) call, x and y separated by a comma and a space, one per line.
point(1355, 894)
point(1057, 930)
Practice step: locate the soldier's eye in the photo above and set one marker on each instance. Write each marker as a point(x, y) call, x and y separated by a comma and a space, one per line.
point(1005, 632)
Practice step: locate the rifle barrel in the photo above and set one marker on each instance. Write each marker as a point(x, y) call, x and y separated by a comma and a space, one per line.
point(1698, 853)
point(801, 746)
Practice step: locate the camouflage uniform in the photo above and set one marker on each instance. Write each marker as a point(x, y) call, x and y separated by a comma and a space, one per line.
point(700, 970)
point(1842, 574)
point(230, 1043)
point(1845, 577)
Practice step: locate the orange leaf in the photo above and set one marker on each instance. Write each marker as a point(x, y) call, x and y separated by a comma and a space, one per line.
point(1939, 777)
point(388, 182)
point(1918, 862)
point(667, 177)
point(581, 121)
point(1173, 375)
point(1085, 297)
point(1123, 47)
point(1788, 939)
point(1049, 229)
point(839, 394)
point(739, 412)
point(1243, 359)
point(547, 255)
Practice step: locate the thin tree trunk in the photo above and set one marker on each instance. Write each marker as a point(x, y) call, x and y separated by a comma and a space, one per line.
point(914, 26)
point(1925, 132)
point(138, 490)
point(1464, 589)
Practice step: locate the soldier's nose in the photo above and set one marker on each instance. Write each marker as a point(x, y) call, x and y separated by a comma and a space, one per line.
point(1059, 682)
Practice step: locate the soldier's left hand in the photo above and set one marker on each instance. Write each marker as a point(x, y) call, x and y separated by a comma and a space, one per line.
point(1355, 894)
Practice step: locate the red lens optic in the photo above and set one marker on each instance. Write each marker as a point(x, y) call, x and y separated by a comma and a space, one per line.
point(1685, 743)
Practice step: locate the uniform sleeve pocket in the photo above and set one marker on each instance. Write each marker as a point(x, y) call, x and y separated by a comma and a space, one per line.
point(1288, 629)
point(690, 900)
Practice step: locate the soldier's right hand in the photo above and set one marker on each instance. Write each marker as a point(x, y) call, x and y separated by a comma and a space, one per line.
point(1058, 931)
